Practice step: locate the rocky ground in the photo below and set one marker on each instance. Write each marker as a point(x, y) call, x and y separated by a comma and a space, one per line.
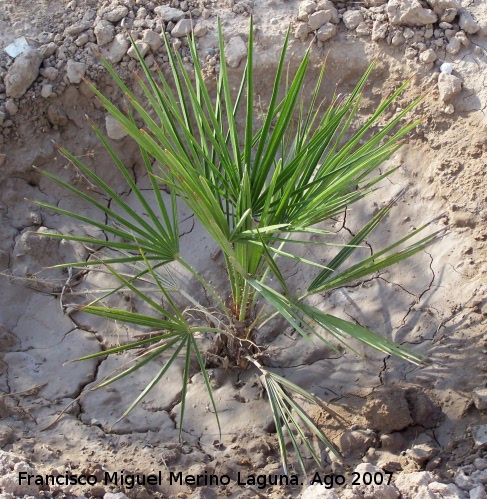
point(427, 426)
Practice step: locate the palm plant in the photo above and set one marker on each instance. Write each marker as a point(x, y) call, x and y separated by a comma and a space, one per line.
point(254, 192)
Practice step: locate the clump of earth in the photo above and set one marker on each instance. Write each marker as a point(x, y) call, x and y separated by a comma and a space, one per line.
point(424, 425)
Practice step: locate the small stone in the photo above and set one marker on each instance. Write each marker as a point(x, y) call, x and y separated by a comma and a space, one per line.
point(82, 40)
point(3, 157)
point(410, 13)
point(328, 6)
point(182, 28)
point(115, 50)
point(119, 495)
point(75, 71)
point(398, 39)
point(479, 396)
point(462, 37)
point(50, 73)
point(356, 442)
point(379, 30)
point(445, 491)
point(169, 14)
point(235, 51)
point(480, 463)
point(352, 18)
point(422, 453)
point(22, 73)
point(464, 481)
point(454, 46)
point(47, 50)
point(446, 68)
point(468, 23)
point(326, 32)
point(115, 130)
point(152, 39)
point(428, 56)
point(116, 14)
point(201, 30)
point(318, 19)
point(305, 9)
point(478, 492)
point(11, 107)
point(449, 15)
point(449, 109)
point(480, 438)
point(104, 32)
point(387, 411)
point(46, 91)
point(77, 28)
point(302, 32)
point(142, 47)
point(363, 29)
point(448, 86)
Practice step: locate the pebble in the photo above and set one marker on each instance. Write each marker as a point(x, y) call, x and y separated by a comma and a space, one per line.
point(428, 56)
point(468, 23)
point(11, 107)
point(22, 73)
point(142, 47)
point(201, 30)
point(302, 32)
point(75, 71)
point(446, 68)
point(480, 437)
point(352, 18)
point(479, 396)
point(318, 19)
point(47, 50)
point(478, 492)
point(114, 129)
point(449, 14)
point(453, 46)
point(116, 14)
point(448, 86)
point(182, 28)
point(379, 30)
point(410, 13)
point(449, 109)
point(235, 51)
point(326, 32)
point(152, 39)
point(115, 50)
point(168, 13)
point(46, 91)
point(104, 32)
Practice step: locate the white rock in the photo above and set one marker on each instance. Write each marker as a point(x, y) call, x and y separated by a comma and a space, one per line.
point(302, 32)
point(115, 130)
point(142, 47)
point(480, 463)
point(22, 73)
point(352, 18)
point(116, 14)
point(104, 32)
point(115, 50)
point(182, 28)
point(446, 68)
point(305, 9)
point(409, 483)
point(478, 493)
point(463, 39)
point(453, 46)
point(328, 6)
point(468, 23)
point(446, 491)
point(448, 86)
point(47, 50)
point(464, 481)
point(480, 438)
point(398, 39)
point(152, 39)
point(326, 32)
point(449, 109)
point(318, 19)
point(119, 495)
point(363, 29)
point(439, 6)
point(235, 51)
point(409, 13)
point(75, 71)
point(77, 28)
point(479, 397)
point(46, 91)
point(11, 107)
point(428, 56)
point(379, 30)
point(382, 491)
point(201, 29)
point(169, 14)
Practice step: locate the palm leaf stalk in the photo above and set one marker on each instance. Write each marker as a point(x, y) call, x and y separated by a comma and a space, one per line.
point(255, 193)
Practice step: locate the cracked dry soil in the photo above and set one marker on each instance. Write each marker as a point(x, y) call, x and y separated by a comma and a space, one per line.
point(400, 417)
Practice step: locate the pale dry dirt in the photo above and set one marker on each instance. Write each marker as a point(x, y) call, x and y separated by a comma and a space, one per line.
point(436, 302)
